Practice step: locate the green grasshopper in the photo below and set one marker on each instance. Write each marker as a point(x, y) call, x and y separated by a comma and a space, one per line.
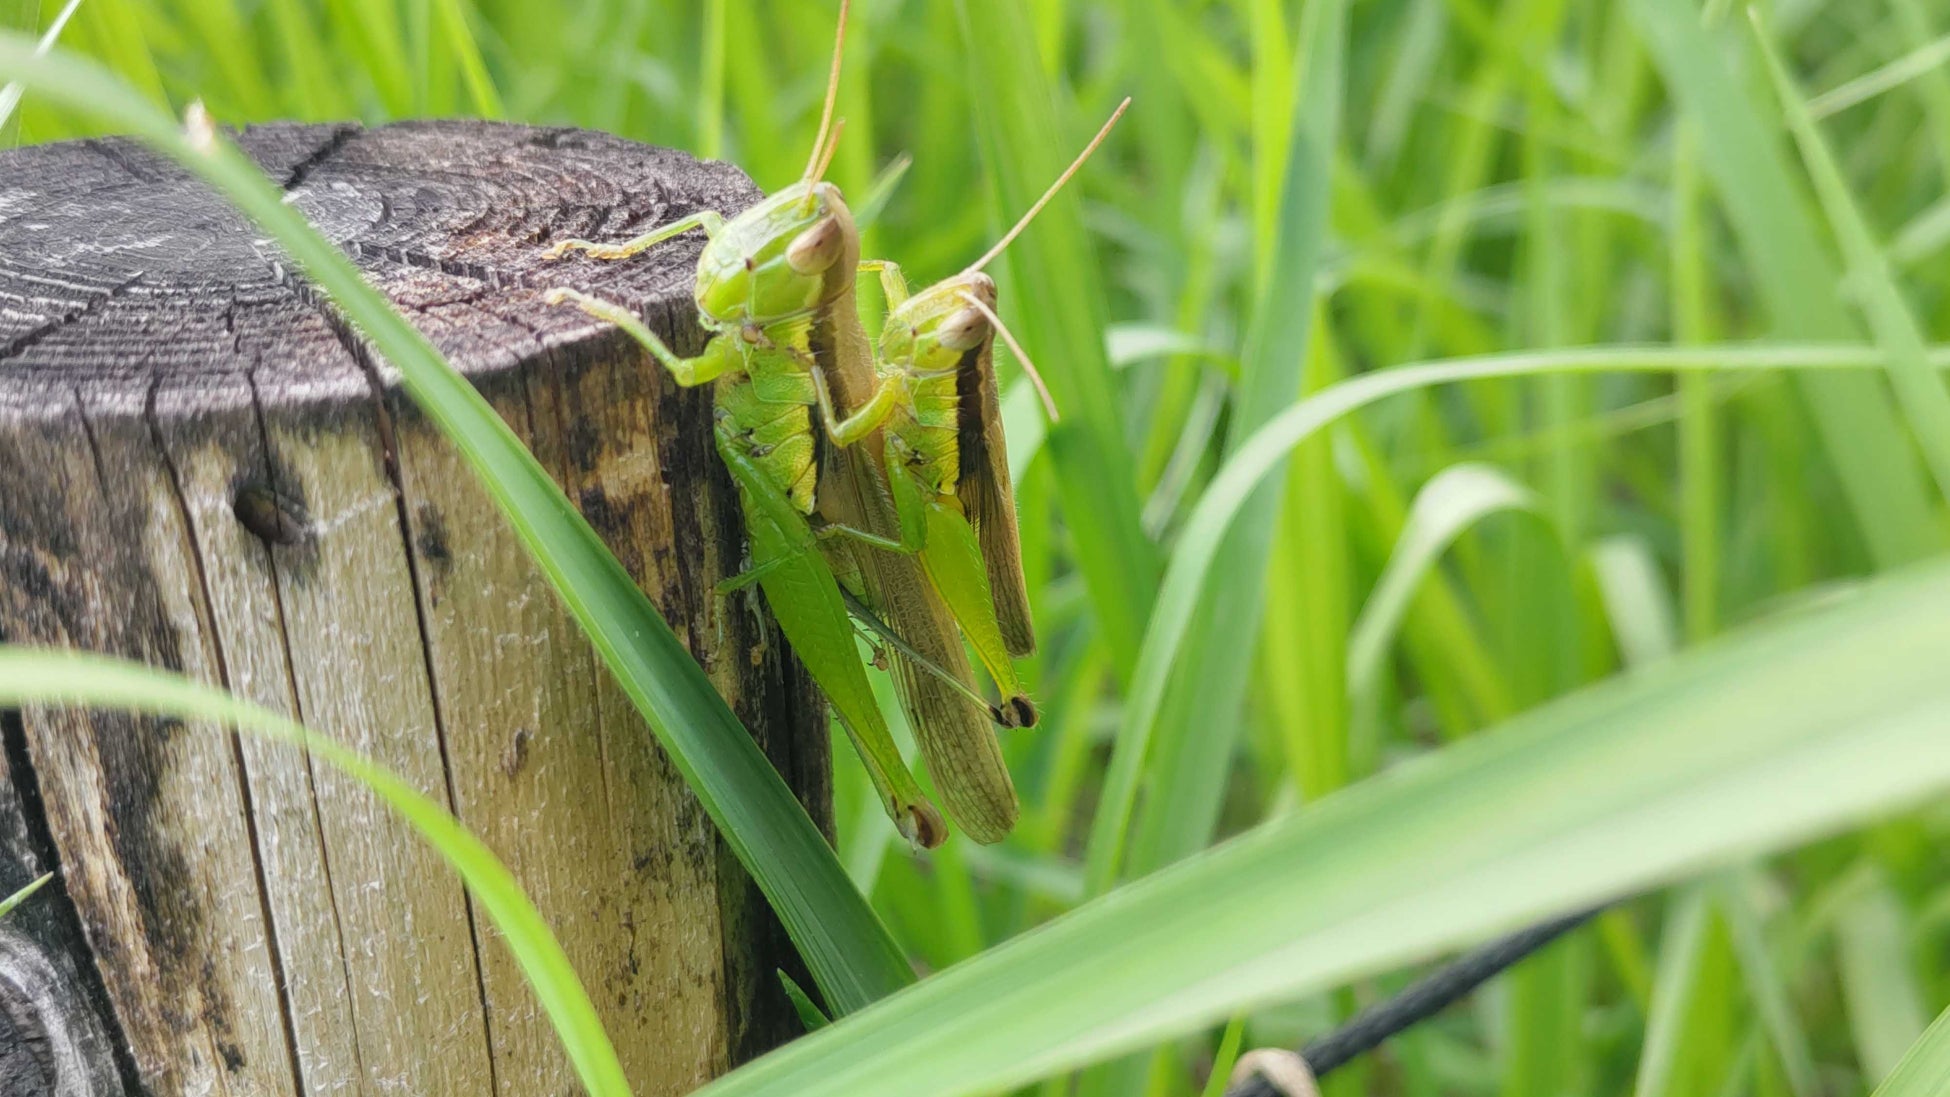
point(804, 594)
point(944, 454)
point(775, 287)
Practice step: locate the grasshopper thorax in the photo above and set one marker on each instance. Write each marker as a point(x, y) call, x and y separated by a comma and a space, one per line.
point(933, 329)
point(774, 261)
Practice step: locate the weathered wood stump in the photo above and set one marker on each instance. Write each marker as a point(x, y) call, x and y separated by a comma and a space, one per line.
point(203, 469)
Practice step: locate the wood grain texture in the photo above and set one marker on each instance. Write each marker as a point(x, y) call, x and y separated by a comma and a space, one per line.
point(205, 469)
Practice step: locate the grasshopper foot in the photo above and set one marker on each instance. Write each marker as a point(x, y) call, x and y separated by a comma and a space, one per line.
point(561, 249)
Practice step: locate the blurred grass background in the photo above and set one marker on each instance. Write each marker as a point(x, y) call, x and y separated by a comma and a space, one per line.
point(1498, 175)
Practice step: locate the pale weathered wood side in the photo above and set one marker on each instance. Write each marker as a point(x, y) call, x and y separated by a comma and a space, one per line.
point(207, 471)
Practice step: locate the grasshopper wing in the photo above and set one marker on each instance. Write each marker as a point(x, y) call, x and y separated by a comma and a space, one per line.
point(987, 496)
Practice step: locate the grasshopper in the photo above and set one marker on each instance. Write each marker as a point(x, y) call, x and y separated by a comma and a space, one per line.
point(944, 455)
point(775, 287)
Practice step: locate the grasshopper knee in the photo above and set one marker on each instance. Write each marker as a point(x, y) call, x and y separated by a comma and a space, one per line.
point(923, 826)
point(1018, 712)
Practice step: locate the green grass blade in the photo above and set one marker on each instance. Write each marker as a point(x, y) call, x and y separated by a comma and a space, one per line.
point(32, 677)
point(241, 78)
point(1913, 65)
point(710, 98)
point(459, 39)
point(1767, 987)
point(373, 26)
point(1925, 1069)
point(10, 95)
point(850, 954)
point(1885, 1005)
point(1637, 604)
point(1919, 390)
point(1179, 594)
point(1793, 731)
point(1680, 950)
point(1700, 430)
point(1061, 316)
point(1456, 499)
point(1201, 721)
point(312, 90)
point(1796, 279)
point(12, 902)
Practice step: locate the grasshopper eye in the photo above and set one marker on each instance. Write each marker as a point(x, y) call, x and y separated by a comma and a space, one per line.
point(817, 248)
point(982, 286)
point(963, 330)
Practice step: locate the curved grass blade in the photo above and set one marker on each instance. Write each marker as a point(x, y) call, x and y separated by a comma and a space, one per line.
point(1810, 724)
point(1638, 605)
point(1261, 454)
point(1451, 502)
point(39, 677)
point(850, 953)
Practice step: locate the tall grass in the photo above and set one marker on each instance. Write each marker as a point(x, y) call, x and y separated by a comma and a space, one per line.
point(1308, 201)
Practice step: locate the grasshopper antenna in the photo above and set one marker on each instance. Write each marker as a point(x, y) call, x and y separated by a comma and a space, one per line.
point(1050, 193)
point(832, 148)
point(814, 163)
point(1022, 356)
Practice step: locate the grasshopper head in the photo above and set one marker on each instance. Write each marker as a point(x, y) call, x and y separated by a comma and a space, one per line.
point(933, 329)
point(772, 261)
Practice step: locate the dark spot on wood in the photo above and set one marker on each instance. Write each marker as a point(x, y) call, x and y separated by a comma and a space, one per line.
point(604, 518)
point(271, 517)
point(430, 535)
point(654, 862)
point(583, 443)
point(515, 758)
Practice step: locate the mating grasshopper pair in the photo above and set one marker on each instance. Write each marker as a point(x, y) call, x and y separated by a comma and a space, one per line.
point(896, 495)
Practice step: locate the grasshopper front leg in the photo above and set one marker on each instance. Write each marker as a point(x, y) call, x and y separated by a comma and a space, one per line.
point(893, 284)
point(708, 220)
point(890, 393)
point(720, 355)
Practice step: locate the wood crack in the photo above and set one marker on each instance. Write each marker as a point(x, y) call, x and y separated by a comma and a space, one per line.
point(302, 169)
point(269, 473)
point(362, 354)
point(19, 344)
point(174, 478)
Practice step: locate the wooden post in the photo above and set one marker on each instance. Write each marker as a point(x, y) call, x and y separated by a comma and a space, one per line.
point(203, 468)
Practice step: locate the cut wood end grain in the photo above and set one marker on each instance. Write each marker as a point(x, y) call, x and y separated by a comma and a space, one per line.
point(203, 468)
